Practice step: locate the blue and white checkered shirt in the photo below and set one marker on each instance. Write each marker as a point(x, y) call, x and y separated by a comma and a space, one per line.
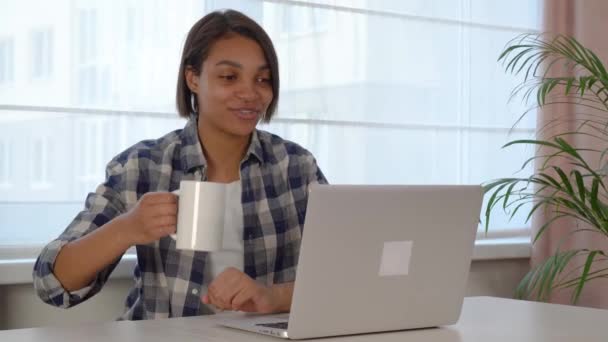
point(275, 175)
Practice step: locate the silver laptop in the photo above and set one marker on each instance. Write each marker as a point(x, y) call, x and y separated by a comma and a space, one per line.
point(377, 258)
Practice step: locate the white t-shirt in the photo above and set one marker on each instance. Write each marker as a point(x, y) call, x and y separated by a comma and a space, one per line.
point(232, 251)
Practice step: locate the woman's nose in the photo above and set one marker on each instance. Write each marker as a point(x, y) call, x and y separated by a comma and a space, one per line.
point(247, 92)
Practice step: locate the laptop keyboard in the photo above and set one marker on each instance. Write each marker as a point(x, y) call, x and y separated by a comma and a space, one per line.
point(279, 325)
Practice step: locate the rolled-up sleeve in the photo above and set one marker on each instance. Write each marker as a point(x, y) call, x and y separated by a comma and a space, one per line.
point(101, 206)
point(315, 174)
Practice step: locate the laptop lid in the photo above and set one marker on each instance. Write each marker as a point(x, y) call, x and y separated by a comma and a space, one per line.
point(381, 258)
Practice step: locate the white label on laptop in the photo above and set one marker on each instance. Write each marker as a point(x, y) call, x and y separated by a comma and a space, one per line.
point(395, 258)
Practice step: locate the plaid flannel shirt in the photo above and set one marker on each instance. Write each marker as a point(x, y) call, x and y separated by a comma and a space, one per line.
point(275, 175)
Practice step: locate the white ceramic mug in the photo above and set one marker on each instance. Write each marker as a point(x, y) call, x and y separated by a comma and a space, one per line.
point(200, 216)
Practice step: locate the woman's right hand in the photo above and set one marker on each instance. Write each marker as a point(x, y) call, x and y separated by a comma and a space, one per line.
point(153, 217)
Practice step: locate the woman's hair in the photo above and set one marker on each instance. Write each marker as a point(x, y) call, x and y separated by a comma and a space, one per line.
point(201, 38)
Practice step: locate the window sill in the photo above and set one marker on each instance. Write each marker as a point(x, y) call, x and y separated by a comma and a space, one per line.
point(502, 248)
point(19, 271)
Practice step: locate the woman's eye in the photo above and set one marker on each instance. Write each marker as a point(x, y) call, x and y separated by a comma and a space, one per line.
point(264, 80)
point(228, 77)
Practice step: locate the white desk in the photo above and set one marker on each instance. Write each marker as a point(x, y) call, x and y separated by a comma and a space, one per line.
point(484, 319)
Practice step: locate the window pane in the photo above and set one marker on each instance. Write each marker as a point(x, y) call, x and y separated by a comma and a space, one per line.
point(6, 61)
point(42, 53)
point(516, 13)
point(4, 163)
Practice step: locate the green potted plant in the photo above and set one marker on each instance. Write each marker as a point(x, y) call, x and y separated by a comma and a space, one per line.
point(566, 182)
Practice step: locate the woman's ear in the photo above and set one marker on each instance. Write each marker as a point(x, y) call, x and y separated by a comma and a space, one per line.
point(192, 78)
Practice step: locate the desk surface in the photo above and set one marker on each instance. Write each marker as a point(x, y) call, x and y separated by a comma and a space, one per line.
point(483, 319)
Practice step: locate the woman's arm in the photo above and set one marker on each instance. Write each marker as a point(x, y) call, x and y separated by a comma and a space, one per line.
point(76, 265)
point(79, 262)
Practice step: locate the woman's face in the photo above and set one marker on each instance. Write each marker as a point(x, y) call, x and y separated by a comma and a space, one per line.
point(234, 87)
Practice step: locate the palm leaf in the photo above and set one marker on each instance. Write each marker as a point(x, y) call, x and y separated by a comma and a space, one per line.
point(584, 277)
point(531, 52)
point(541, 279)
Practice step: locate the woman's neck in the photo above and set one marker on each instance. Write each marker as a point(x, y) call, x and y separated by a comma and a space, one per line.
point(223, 153)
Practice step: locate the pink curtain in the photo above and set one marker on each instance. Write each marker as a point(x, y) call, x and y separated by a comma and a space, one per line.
point(586, 21)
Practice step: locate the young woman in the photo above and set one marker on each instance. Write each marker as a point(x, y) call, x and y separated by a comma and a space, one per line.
point(228, 81)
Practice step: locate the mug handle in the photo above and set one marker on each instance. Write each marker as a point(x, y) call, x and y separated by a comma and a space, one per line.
point(174, 236)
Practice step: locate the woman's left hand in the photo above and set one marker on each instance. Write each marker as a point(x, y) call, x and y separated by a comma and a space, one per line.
point(235, 290)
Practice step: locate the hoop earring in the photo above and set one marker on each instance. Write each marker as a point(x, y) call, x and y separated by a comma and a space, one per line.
point(194, 103)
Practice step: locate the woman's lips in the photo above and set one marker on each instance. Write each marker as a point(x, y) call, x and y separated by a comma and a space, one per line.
point(246, 114)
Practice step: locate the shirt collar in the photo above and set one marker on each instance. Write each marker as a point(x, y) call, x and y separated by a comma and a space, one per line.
point(255, 148)
point(192, 155)
point(191, 152)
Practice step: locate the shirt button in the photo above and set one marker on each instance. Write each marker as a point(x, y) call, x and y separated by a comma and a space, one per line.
point(194, 291)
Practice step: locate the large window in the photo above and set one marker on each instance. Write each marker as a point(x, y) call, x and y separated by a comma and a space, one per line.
point(381, 91)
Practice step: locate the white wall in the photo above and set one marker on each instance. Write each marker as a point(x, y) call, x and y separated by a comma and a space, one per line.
point(20, 308)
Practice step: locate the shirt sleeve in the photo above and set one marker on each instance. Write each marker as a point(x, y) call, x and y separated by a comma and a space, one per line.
point(315, 175)
point(101, 206)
